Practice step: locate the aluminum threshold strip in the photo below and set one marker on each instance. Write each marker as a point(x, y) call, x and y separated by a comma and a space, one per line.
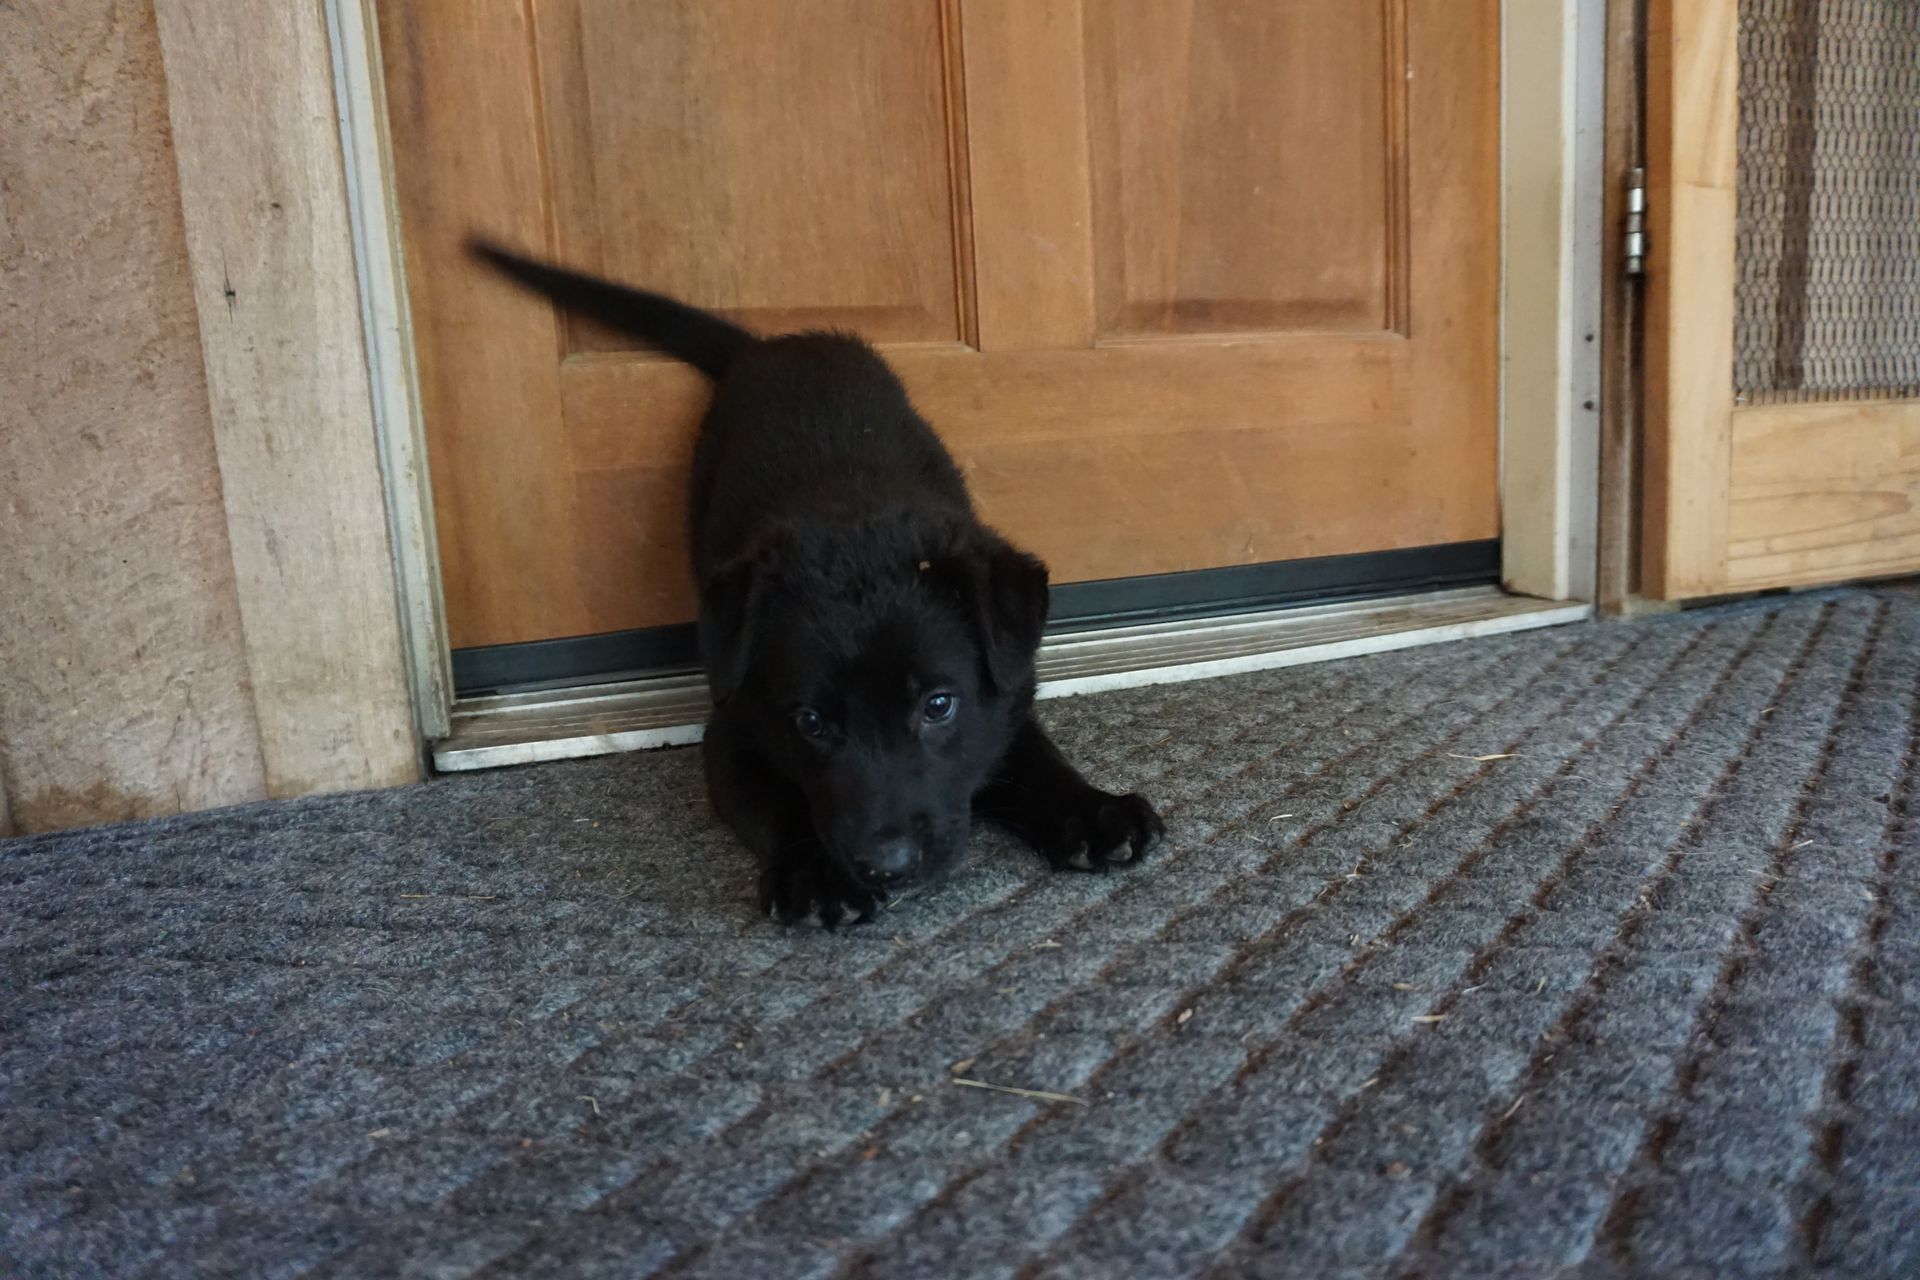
point(671, 710)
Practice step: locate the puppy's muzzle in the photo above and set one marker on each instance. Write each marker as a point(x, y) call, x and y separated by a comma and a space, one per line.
point(888, 861)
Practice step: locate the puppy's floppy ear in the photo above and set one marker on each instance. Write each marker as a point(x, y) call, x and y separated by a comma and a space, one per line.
point(1005, 591)
point(729, 601)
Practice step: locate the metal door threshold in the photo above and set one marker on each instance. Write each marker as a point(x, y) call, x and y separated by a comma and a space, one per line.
point(669, 711)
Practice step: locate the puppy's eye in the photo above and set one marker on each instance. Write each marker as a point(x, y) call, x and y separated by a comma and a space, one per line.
point(939, 708)
point(809, 723)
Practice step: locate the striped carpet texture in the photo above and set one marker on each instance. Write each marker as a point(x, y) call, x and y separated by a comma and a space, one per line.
point(1588, 952)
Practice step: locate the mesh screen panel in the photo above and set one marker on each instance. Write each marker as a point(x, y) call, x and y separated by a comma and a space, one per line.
point(1828, 248)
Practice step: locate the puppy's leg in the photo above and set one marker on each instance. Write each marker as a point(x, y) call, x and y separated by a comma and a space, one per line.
point(797, 878)
point(1040, 797)
point(797, 882)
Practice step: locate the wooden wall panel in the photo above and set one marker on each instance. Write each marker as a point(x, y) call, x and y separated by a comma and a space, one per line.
point(263, 190)
point(123, 682)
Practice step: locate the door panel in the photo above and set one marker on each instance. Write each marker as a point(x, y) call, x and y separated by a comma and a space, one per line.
point(464, 111)
point(1783, 359)
point(1231, 190)
point(1148, 265)
point(680, 157)
point(1822, 492)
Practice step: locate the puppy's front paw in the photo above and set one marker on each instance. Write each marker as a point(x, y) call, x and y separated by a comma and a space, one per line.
point(1095, 831)
point(792, 890)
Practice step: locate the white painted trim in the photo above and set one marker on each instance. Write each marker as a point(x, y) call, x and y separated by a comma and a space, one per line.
point(393, 377)
point(671, 711)
point(1586, 262)
point(1553, 122)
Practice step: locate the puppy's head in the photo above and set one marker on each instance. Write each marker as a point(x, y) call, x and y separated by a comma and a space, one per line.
point(882, 673)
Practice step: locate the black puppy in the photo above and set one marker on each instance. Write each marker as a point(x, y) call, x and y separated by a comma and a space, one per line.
point(869, 642)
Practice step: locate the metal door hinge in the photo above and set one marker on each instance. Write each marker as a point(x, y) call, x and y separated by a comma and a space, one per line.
point(1636, 236)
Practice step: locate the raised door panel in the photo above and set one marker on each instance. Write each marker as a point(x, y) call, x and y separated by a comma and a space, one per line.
point(1248, 165)
point(791, 165)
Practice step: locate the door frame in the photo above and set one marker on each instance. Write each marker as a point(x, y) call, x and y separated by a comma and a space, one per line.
point(1552, 128)
point(1553, 121)
point(1744, 491)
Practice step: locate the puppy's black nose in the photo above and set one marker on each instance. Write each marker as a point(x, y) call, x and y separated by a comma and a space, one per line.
point(891, 858)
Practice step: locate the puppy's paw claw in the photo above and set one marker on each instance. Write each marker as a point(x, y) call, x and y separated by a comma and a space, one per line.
point(1104, 831)
point(792, 892)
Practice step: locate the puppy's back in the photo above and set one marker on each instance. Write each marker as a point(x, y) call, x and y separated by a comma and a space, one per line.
point(812, 425)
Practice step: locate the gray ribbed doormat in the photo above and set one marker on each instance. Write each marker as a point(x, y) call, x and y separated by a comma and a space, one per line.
point(1587, 952)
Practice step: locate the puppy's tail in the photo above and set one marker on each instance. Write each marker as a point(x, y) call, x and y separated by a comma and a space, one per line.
point(703, 340)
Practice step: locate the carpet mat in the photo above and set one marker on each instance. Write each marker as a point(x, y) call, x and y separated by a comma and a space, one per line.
point(1586, 952)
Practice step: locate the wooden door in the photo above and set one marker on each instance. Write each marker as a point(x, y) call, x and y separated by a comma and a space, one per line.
point(1183, 283)
point(1783, 358)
